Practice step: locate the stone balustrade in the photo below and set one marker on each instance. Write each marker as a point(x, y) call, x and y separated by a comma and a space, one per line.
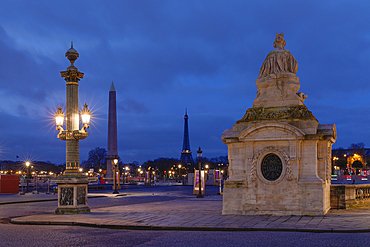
point(349, 196)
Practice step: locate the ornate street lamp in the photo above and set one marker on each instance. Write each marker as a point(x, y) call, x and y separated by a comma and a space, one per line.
point(28, 175)
point(221, 176)
point(126, 173)
point(148, 177)
point(180, 178)
point(72, 185)
point(115, 175)
point(139, 172)
point(199, 154)
point(333, 165)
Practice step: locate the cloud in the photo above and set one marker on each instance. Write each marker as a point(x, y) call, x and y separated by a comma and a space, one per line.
point(132, 106)
point(165, 56)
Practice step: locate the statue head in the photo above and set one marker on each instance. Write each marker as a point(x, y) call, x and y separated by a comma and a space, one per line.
point(279, 41)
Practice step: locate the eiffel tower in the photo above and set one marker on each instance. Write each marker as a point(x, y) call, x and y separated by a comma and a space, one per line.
point(186, 156)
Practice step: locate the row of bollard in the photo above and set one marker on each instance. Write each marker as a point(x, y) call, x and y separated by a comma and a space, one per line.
point(25, 186)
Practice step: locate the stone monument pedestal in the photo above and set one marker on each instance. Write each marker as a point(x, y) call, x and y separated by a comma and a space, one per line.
point(72, 195)
point(276, 90)
point(279, 167)
point(279, 154)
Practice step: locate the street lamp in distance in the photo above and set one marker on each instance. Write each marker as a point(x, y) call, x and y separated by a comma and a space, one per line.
point(115, 161)
point(28, 175)
point(127, 172)
point(207, 171)
point(180, 178)
point(199, 154)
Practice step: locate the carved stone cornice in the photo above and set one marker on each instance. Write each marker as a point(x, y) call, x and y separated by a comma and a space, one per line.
point(273, 113)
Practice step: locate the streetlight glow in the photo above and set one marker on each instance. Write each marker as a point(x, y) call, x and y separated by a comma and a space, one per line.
point(85, 115)
point(59, 117)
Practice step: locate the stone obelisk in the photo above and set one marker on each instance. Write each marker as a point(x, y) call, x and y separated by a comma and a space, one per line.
point(112, 152)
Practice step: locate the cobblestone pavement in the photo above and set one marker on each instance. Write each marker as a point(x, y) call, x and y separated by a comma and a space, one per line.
point(189, 213)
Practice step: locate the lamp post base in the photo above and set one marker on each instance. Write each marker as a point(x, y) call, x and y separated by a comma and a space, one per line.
point(72, 195)
point(72, 210)
point(200, 195)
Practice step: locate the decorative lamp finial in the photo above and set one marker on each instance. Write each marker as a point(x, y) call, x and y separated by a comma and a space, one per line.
point(72, 54)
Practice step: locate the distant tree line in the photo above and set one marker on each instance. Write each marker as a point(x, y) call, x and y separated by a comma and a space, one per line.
point(162, 165)
point(11, 167)
point(97, 160)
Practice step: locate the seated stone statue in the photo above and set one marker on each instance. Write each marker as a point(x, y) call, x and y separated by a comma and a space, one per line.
point(277, 84)
point(279, 60)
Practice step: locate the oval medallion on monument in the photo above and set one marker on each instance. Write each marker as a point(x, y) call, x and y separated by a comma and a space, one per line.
point(271, 167)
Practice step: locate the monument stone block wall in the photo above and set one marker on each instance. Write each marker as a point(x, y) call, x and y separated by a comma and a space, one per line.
point(279, 154)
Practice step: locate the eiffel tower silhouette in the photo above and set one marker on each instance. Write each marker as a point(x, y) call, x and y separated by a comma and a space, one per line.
point(186, 156)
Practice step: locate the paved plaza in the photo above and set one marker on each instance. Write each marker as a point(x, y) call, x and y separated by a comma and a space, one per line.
point(178, 209)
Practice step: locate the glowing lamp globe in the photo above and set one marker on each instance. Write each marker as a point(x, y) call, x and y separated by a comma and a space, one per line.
point(59, 117)
point(85, 115)
point(199, 153)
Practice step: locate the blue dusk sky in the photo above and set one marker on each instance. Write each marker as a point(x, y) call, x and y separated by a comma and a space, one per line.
point(165, 56)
